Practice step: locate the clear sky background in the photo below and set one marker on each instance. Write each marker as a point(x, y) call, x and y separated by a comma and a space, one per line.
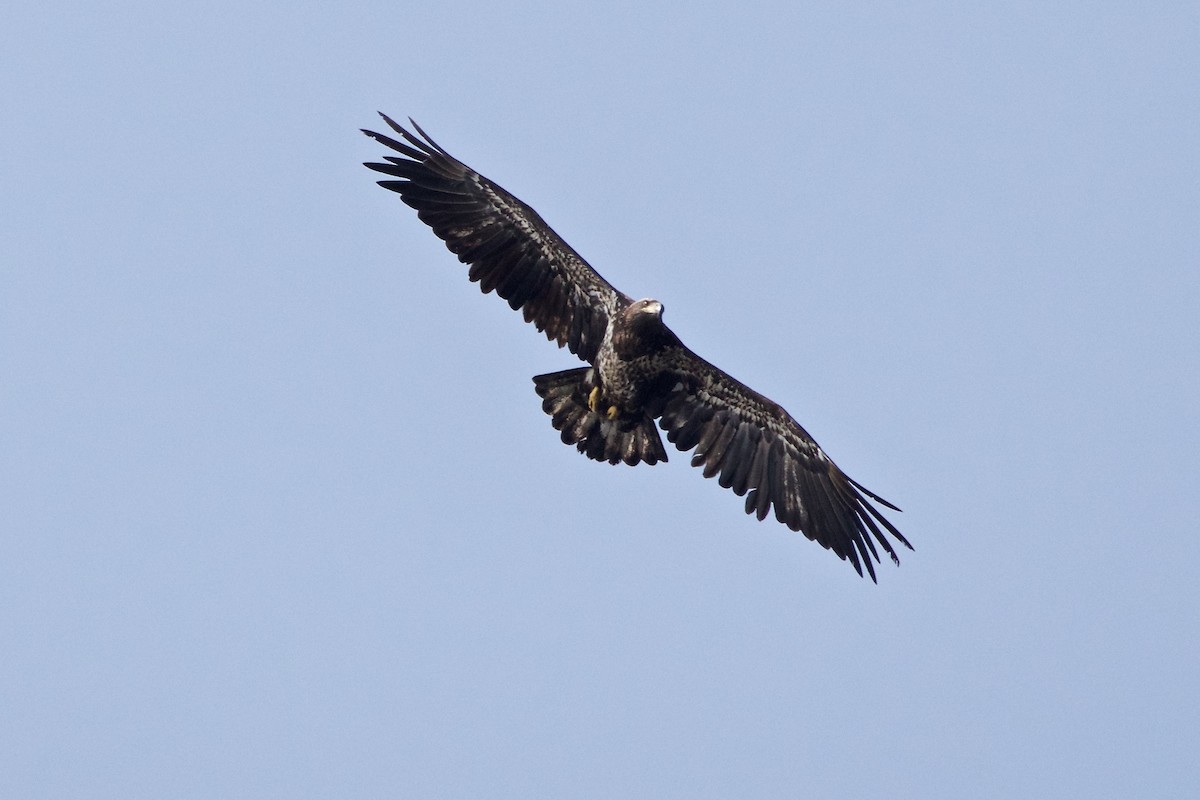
point(283, 517)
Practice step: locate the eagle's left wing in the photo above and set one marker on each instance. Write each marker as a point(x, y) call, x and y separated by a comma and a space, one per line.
point(753, 446)
point(509, 247)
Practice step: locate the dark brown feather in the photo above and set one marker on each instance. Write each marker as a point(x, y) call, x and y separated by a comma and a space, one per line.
point(511, 249)
point(755, 448)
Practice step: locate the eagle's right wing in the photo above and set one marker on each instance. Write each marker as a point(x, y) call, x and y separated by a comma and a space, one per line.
point(509, 247)
point(753, 446)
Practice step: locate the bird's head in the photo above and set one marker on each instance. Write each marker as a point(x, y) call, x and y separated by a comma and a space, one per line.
point(644, 316)
point(643, 320)
point(647, 306)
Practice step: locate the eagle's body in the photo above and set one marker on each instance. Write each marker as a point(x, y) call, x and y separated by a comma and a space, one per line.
point(639, 371)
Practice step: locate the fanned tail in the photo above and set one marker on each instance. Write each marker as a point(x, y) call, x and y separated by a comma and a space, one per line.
point(564, 397)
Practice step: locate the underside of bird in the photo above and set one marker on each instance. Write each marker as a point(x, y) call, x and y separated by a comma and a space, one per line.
point(600, 431)
point(638, 371)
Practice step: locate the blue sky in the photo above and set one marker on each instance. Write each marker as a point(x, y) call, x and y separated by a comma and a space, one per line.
point(283, 514)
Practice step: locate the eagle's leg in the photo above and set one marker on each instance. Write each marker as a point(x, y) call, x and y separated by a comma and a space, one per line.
point(612, 412)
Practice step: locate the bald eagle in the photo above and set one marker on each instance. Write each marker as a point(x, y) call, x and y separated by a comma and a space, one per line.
point(638, 371)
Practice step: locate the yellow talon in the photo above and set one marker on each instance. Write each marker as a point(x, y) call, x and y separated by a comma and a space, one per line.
point(594, 404)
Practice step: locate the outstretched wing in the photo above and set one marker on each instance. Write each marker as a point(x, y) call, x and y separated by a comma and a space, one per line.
point(753, 446)
point(509, 247)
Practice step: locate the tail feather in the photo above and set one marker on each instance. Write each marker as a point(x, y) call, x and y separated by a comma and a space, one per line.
point(564, 397)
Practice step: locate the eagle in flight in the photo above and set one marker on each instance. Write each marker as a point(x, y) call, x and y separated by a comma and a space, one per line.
point(638, 371)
